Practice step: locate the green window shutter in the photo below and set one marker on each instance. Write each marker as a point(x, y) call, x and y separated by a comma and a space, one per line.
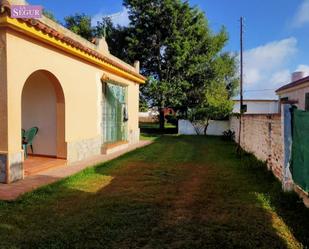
point(307, 102)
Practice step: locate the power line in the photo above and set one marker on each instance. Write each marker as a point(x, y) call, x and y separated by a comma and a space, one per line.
point(259, 90)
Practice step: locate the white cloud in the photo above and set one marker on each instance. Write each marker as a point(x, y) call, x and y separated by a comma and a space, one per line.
point(271, 54)
point(119, 18)
point(262, 61)
point(252, 75)
point(303, 68)
point(281, 77)
point(302, 16)
point(265, 67)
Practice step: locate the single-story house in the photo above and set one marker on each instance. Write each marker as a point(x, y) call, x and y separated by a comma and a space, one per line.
point(81, 98)
point(258, 106)
point(296, 92)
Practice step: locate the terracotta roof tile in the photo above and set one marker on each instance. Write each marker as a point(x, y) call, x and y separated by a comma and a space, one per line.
point(5, 4)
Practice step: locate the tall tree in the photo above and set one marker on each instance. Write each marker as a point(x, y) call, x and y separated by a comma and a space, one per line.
point(80, 24)
point(178, 52)
point(116, 37)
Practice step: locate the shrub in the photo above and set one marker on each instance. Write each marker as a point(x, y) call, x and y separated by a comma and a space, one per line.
point(229, 135)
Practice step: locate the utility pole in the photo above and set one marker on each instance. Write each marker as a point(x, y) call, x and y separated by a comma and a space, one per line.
point(241, 78)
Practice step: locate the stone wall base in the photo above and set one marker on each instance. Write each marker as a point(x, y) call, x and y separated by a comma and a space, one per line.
point(3, 162)
point(11, 167)
point(133, 136)
point(112, 148)
point(82, 149)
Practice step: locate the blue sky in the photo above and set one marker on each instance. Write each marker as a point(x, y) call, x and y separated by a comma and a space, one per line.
point(276, 34)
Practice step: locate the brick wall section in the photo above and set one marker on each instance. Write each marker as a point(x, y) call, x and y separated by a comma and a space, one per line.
point(262, 136)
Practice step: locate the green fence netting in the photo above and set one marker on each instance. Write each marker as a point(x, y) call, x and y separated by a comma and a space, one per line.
point(114, 109)
point(300, 149)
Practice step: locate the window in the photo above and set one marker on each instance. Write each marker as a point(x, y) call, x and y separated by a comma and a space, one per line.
point(307, 102)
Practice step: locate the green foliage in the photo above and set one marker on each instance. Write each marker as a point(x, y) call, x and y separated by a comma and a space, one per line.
point(116, 37)
point(172, 119)
point(229, 135)
point(80, 24)
point(49, 15)
point(178, 51)
point(216, 104)
point(217, 101)
point(143, 107)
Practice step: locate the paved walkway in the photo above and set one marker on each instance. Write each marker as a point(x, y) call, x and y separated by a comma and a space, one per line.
point(9, 192)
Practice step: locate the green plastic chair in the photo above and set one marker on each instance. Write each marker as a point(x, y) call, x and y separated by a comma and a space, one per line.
point(23, 133)
point(28, 139)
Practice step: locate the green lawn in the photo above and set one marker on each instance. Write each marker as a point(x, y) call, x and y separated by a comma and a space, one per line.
point(180, 192)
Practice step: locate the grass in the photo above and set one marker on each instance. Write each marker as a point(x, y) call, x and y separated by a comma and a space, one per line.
point(152, 131)
point(180, 192)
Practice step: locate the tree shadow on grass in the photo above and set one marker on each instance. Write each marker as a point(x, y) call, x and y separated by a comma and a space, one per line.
point(154, 129)
point(288, 206)
point(158, 131)
point(137, 202)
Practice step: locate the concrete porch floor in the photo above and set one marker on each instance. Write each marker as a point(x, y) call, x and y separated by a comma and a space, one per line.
point(10, 192)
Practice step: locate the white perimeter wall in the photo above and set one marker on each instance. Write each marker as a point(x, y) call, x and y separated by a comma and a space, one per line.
point(215, 128)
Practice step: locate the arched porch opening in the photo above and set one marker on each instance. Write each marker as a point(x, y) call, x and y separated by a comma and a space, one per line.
point(43, 106)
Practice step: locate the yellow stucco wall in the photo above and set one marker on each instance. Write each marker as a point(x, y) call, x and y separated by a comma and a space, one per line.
point(3, 93)
point(80, 82)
